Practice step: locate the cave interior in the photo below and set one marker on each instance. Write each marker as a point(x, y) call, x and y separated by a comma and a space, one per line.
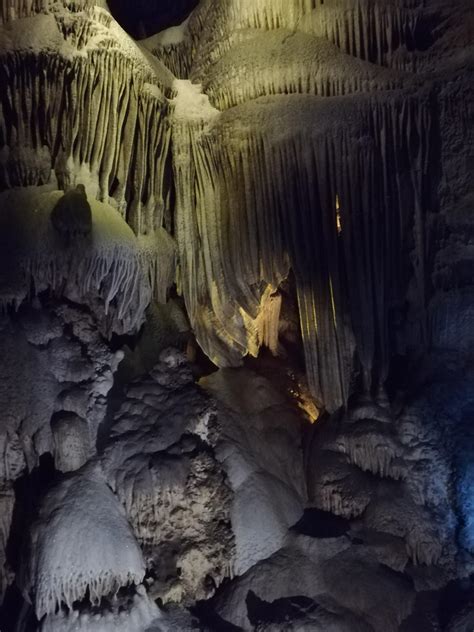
point(236, 316)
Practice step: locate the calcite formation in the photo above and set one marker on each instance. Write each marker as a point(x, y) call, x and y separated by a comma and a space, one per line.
point(280, 184)
point(107, 266)
point(83, 508)
point(360, 118)
point(162, 465)
point(293, 180)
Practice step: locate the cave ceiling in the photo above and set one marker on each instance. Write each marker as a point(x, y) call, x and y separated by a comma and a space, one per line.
point(142, 18)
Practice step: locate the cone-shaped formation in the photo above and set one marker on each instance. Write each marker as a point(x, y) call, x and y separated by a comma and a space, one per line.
point(110, 264)
point(80, 510)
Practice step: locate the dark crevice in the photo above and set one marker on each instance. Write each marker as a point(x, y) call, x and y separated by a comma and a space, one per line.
point(279, 611)
point(321, 524)
point(204, 611)
point(29, 491)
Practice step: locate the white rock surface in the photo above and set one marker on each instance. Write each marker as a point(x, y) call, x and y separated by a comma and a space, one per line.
point(62, 566)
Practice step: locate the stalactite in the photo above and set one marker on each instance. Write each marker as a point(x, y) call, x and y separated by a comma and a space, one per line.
point(137, 612)
point(176, 57)
point(374, 453)
point(11, 10)
point(284, 62)
point(372, 30)
point(112, 265)
point(369, 29)
point(115, 137)
point(362, 152)
point(222, 287)
point(268, 321)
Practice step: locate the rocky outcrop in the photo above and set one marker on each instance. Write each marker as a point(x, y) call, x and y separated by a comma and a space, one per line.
point(160, 460)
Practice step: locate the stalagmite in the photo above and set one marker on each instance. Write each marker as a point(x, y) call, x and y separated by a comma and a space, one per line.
point(72, 442)
point(169, 481)
point(72, 216)
point(7, 504)
point(110, 263)
point(57, 573)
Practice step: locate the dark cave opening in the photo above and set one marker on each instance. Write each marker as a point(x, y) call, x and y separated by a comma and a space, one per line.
point(278, 611)
point(321, 524)
point(15, 612)
point(147, 17)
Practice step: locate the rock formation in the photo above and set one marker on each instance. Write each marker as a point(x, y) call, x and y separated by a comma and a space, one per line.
point(236, 315)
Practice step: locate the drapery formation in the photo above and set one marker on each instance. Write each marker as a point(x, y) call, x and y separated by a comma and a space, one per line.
point(80, 99)
point(305, 147)
point(332, 188)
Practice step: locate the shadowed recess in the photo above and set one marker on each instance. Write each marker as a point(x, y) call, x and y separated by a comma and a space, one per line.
point(144, 18)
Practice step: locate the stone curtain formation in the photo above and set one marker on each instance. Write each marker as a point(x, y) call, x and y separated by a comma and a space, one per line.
point(304, 106)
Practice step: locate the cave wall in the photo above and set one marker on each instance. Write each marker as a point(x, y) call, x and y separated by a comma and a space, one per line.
point(313, 147)
point(321, 145)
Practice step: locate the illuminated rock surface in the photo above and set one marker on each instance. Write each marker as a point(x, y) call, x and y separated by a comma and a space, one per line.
point(162, 466)
point(220, 222)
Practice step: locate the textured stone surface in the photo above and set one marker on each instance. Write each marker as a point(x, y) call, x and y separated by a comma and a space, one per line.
point(160, 460)
point(261, 154)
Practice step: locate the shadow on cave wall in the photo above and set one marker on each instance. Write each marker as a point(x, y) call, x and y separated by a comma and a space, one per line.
point(15, 613)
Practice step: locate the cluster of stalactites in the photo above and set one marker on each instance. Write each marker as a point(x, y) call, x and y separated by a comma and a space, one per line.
point(110, 269)
point(78, 25)
point(16, 9)
point(262, 63)
point(96, 115)
point(340, 200)
point(372, 30)
point(112, 135)
point(227, 288)
point(176, 57)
